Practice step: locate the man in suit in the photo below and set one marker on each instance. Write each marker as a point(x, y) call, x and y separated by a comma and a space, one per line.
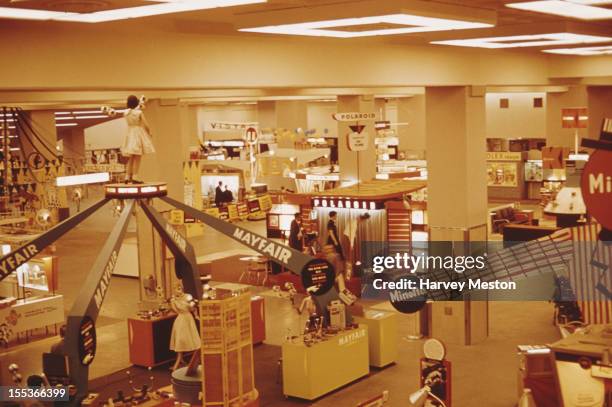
point(219, 194)
point(295, 233)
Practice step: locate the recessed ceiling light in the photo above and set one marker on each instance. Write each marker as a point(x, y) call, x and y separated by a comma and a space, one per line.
point(519, 41)
point(583, 51)
point(584, 10)
point(390, 24)
point(161, 7)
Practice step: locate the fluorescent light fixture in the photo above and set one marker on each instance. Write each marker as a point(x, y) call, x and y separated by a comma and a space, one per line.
point(584, 10)
point(582, 51)
point(520, 41)
point(411, 24)
point(66, 124)
point(160, 7)
point(98, 116)
point(78, 112)
point(93, 178)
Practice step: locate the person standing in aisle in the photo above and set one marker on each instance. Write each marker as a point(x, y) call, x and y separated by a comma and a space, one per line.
point(138, 139)
point(228, 197)
point(332, 234)
point(295, 233)
point(219, 195)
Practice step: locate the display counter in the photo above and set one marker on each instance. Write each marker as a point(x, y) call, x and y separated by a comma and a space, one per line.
point(383, 336)
point(149, 340)
point(310, 372)
point(31, 313)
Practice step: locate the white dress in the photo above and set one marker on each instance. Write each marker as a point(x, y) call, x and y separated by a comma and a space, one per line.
point(137, 141)
point(185, 336)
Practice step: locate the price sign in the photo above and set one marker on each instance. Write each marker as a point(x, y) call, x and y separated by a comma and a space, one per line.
point(177, 217)
point(318, 273)
point(358, 141)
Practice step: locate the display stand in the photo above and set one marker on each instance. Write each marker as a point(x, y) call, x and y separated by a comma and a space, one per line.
point(149, 340)
point(309, 372)
point(383, 336)
point(227, 351)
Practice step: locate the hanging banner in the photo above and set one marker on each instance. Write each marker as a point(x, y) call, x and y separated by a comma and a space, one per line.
point(353, 116)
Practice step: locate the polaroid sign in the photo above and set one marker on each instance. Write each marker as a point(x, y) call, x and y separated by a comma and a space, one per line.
point(353, 116)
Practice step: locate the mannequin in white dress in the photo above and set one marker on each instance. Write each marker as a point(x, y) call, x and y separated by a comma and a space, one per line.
point(138, 138)
point(185, 336)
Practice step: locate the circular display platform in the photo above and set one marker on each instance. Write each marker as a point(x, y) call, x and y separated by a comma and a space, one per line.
point(135, 191)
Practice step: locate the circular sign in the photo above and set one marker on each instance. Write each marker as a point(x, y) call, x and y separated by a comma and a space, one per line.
point(405, 300)
point(434, 349)
point(318, 273)
point(251, 134)
point(87, 341)
point(36, 161)
point(596, 186)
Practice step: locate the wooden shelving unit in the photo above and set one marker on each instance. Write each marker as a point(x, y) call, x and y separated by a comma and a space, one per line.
point(227, 350)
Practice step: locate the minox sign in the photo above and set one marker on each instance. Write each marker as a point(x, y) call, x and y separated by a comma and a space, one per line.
point(597, 187)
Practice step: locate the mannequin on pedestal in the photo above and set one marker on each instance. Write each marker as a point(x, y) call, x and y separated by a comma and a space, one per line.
point(185, 336)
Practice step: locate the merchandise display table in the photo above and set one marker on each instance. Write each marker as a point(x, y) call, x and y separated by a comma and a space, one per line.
point(382, 336)
point(310, 372)
point(149, 340)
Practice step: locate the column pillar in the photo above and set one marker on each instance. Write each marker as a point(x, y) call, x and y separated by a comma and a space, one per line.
point(356, 166)
point(73, 140)
point(174, 128)
point(283, 114)
point(600, 106)
point(411, 110)
point(556, 135)
point(457, 197)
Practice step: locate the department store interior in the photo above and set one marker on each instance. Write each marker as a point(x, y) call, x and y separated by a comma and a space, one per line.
point(191, 202)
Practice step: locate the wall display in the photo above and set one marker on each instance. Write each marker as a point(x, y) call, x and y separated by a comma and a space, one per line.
point(534, 171)
point(502, 174)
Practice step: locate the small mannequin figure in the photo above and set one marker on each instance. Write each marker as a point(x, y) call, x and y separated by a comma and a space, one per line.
point(138, 139)
point(185, 336)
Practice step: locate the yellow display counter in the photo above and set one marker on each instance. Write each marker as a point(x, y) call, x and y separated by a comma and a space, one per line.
point(382, 336)
point(310, 372)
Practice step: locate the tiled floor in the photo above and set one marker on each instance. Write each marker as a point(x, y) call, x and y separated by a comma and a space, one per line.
point(484, 374)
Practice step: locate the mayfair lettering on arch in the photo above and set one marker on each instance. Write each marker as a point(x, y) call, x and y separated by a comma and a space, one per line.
point(12, 261)
point(262, 245)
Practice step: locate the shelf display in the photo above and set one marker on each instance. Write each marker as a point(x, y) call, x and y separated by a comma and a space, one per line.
point(278, 220)
point(505, 174)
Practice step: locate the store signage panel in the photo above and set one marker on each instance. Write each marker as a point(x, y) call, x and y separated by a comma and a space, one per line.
point(574, 118)
point(353, 116)
point(87, 341)
point(503, 156)
point(358, 141)
point(597, 187)
point(177, 217)
point(318, 273)
point(33, 314)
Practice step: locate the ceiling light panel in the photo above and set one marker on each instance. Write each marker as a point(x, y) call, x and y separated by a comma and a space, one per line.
point(583, 51)
point(581, 9)
point(522, 41)
point(158, 7)
point(407, 23)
